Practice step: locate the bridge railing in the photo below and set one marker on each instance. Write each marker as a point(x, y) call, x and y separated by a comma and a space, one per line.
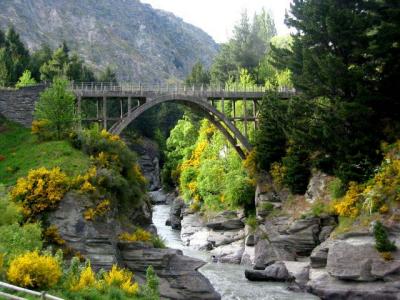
point(127, 87)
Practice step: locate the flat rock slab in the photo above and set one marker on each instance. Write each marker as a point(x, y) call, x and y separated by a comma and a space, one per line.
point(224, 224)
point(358, 262)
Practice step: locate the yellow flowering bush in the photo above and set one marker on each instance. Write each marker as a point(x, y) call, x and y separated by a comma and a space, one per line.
point(250, 163)
point(52, 235)
point(87, 279)
point(110, 137)
point(122, 279)
point(40, 128)
point(84, 183)
point(33, 270)
point(41, 190)
point(278, 172)
point(140, 235)
point(100, 210)
point(348, 206)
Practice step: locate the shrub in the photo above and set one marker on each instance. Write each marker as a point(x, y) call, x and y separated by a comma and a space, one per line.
point(297, 170)
point(25, 80)
point(158, 242)
point(41, 129)
point(348, 206)
point(34, 270)
point(150, 290)
point(57, 106)
point(122, 279)
point(100, 210)
point(337, 189)
point(382, 242)
point(87, 279)
point(52, 235)
point(252, 222)
point(15, 239)
point(278, 173)
point(41, 190)
point(140, 235)
point(10, 212)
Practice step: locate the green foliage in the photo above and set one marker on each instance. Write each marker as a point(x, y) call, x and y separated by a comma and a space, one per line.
point(14, 57)
point(117, 170)
point(337, 189)
point(382, 242)
point(158, 242)
point(297, 168)
point(57, 106)
point(10, 212)
point(22, 152)
point(152, 283)
point(16, 239)
point(108, 75)
point(198, 76)
point(250, 43)
point(25, 80)
point(252, 222)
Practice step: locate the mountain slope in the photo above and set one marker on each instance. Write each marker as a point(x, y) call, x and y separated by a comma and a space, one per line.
point(139, 42)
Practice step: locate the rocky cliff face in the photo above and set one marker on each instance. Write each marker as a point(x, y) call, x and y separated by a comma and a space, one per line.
point(141, 43)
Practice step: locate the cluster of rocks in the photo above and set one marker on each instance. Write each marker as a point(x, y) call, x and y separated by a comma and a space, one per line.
point(98, 241)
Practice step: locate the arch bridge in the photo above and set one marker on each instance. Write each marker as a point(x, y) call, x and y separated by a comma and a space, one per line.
point(132, 100)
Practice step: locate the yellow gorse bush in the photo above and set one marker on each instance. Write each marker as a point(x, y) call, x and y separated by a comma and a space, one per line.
point(140, 235)
point(87, 279)
point(42, 189)
point(122, 279)
point(348, 205)
point(34, 270)
point(379, 192)
point(100, 210)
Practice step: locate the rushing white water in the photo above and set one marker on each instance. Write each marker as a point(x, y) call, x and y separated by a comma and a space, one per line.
point(227, 279)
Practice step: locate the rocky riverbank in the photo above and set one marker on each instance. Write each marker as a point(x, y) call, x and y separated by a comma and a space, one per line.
point(299, 250)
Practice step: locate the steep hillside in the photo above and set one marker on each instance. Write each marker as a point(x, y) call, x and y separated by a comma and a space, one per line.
point(141, 43)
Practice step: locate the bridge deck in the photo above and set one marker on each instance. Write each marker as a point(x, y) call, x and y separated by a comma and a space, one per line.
point(98, 90)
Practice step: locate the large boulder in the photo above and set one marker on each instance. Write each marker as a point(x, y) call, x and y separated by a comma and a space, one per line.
point(359, 262)
point(179, 278)
point(317, 187)
point(228, 220)
point(274, 272)
point(319, 255)
point(176, 212)
point(265, 253)
point(158, 197)
point(230, 253)
point(331, 288)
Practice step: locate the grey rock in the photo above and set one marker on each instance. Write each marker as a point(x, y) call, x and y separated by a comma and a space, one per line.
point(158, 197)
point(225, 224)
point(179, 278)
point(250, 240)
point(266, 252)
point(319, 255)
point(325, 232)
point(274, 272)
point(317, 187)
point(176, 211)
point(358, 262)
point(230, 253)
point(331, 288)
point(300, 271)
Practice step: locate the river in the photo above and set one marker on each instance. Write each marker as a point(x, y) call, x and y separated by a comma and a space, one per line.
point(227, 279)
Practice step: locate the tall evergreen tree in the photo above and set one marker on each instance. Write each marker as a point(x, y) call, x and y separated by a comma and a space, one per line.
point(198, 76)
point(18, 53)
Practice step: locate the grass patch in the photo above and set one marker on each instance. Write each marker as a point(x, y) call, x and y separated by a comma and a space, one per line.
point(20, 152)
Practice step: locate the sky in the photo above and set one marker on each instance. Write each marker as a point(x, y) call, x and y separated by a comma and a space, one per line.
point(218, 17)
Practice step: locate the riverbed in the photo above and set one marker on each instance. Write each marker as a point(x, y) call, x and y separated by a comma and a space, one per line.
point(227, 279)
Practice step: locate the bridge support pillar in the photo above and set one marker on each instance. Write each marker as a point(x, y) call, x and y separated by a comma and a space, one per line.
point(129, 106)
point(105, 113)
point(245, 116)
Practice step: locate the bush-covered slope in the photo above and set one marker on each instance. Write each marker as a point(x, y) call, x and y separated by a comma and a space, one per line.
point(20, 152)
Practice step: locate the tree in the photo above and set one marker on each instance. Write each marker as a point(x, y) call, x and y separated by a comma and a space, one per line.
point(108, 75)
point(5, 67)
point(343, 113)
point(18, 53)
point(56, 105)
point(198, 76)
point(39, 58)
point(25, 80)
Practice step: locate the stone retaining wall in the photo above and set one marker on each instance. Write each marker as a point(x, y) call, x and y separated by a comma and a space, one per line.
point(18, 105)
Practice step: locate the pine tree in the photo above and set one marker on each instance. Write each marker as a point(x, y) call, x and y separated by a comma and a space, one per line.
point(18, 53)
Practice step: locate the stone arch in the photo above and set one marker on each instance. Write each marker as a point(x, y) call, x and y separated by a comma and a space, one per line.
point(198, 104)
